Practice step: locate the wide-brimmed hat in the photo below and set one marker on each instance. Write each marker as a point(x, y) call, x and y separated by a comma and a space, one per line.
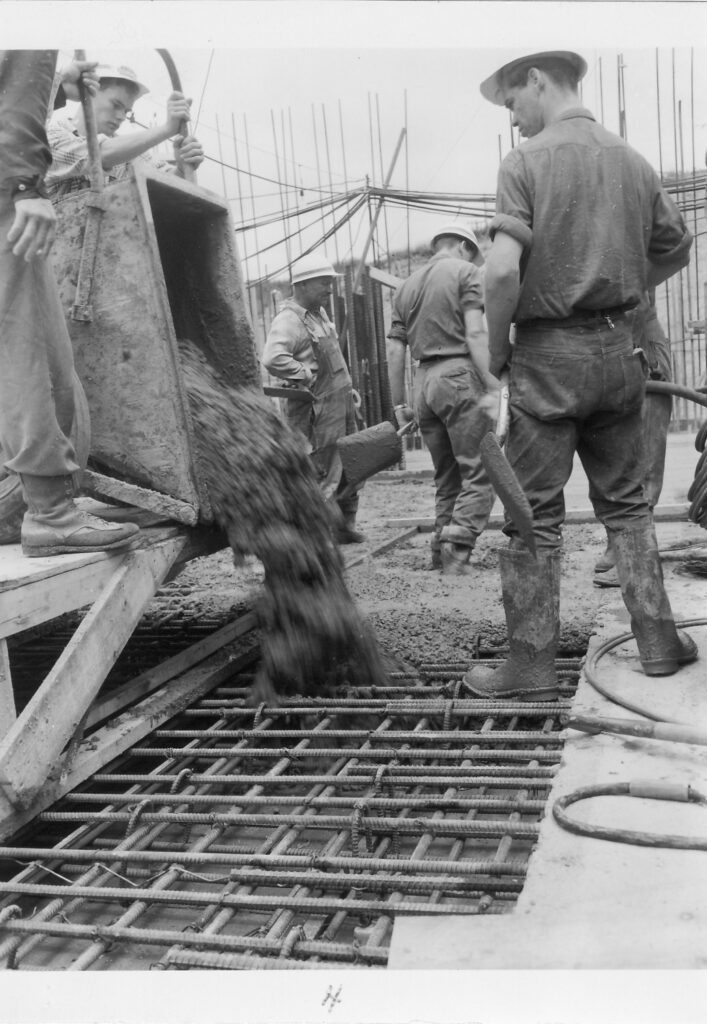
point(311, 266)
point(124, 73)
point(492, 88)
point(459, 230)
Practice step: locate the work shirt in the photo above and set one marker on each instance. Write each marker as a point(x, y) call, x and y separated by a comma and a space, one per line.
point(289, 352)
point(589, 212)
point(428, 309)
point(70, 171)
point(27, 83)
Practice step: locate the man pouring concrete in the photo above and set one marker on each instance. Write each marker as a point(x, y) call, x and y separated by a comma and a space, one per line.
point(302, 348)
point(582, 229)
point(438, 313)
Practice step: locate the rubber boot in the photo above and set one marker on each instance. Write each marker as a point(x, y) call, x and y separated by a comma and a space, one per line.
point(455, 558)
point(605, 574)
point(53, 525)
point(531, 599)
point(347, 532)
point(661, 647)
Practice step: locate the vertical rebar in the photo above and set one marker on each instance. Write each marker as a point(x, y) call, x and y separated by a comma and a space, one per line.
point(279, 185)
point(255, 230)
point(407, 177)
point(346, 174)
point(331, 182)
point(380, 158)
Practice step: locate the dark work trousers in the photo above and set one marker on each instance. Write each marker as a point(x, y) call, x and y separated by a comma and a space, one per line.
point(657, 409)
point(578, 389)
point(447, 393)
point(36, 365)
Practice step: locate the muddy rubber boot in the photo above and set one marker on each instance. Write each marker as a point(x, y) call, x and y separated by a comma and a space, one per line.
point(347, 533)
point(53, 525)
point(531, 599)
point(605, 574)
point(455, 559)
point(661, 647)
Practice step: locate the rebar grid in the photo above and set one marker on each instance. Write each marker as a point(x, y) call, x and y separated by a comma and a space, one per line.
point(286, 837)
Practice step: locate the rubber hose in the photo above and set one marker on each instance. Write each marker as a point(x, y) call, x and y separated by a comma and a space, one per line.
point(681, 794)
point(666, 387)
point(590, 667)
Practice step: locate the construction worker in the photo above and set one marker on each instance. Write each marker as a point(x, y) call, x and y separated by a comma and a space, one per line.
point(36, 360)
point(582, 229)
point(112, 104)
point(303, 349)
point(657, 410)
point(438, 312)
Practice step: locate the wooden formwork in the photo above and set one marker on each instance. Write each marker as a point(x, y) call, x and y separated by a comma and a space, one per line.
point(164, 267)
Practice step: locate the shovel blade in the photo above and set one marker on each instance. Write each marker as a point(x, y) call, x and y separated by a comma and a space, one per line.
point(506, 485)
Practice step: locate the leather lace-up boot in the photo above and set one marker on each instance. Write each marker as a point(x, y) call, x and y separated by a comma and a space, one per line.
point(531, 599)
point(661, 647)
point(53, 525)
point(347, 533)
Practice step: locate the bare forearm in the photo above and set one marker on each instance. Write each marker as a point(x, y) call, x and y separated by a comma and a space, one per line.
point(501, 301)
point(121, 149)
point(396, 370)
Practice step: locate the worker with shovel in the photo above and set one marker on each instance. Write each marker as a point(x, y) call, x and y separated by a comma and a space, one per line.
point(438, 312)
point(582, 229)
point(36, 360)
point(302, 348)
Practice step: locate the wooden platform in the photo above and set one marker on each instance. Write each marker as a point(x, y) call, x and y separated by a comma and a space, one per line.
point(45, 740)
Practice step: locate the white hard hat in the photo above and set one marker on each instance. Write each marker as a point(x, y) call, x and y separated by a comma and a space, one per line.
point(124, 73)
point(493, 87)
point(308, 267)
point(459, 230)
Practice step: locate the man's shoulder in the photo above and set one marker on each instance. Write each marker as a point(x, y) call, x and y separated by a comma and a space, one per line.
point(60, 124)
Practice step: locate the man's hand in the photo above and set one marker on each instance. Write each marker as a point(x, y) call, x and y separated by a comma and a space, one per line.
point(33, 230)
point(403, 415)
point(79, 70)
point(489, 404)
point(178, 110)
point(188, 152)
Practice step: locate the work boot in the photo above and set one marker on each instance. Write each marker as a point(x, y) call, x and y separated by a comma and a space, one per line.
point(436, 552)
point(605, 574)
point(455, 559)
point(531, 599)
point(53, 525)
point(346, 532)
point(661, 647)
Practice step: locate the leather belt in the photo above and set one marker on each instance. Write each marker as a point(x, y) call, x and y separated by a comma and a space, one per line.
point(584, 318)
point(449, 355)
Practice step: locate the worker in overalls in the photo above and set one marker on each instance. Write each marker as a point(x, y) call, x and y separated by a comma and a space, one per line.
point(303, 349)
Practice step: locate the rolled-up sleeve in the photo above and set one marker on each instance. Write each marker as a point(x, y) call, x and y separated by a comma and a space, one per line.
point(286, 339)
point(398, 331)
point(670, 240)
point(69, 153)
point(514, 205)
point(471, 288)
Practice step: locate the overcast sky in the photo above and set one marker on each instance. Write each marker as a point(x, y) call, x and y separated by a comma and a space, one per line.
point(304, 65)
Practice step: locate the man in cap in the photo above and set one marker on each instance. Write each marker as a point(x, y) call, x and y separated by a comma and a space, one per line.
point(118, 91)
point(303, 349)
point(582, 229)
point(36, 360)
point(438, 313)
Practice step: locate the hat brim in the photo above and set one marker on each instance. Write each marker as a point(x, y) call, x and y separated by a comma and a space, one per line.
point(493, 89)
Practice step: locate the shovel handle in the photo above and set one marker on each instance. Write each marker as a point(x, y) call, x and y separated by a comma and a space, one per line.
point(504, 400)
point(407, 427)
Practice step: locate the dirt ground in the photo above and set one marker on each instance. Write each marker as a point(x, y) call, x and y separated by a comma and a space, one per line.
point(419, 615)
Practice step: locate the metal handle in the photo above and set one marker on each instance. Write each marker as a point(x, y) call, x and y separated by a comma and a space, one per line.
point(189, 172)
point(504, 399)
point(95, 168)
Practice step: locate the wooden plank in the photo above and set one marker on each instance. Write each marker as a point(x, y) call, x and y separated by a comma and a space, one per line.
point(380, 549)
point(50, 719)
point(121, 733)
point(148, 682)
point(143, 497)
point(384, 277)
point(576, 517)
point(8, 714)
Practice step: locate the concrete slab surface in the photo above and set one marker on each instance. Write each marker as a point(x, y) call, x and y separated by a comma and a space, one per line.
point(588, 902)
